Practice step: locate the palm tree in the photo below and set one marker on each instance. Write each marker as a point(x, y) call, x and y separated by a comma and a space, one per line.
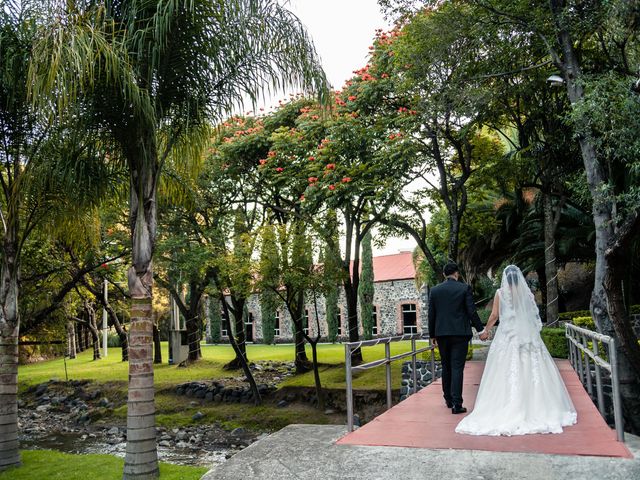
point(40, 186)
point(150, 75)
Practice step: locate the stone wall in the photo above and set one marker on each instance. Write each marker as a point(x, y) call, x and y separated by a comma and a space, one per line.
point(388, 300)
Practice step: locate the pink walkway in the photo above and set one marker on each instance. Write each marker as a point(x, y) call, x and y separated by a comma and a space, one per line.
point(423, 421)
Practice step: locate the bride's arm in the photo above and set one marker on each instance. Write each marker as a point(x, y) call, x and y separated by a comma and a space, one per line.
point(493, 318)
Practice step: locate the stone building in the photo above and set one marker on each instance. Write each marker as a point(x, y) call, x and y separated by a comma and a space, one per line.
point(399, 305)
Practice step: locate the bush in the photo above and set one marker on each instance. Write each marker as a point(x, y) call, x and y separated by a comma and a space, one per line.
point(556, 342)
point(484, 315)
point(585, 322)
point(634, 310)
point(113, 340)
point(569, 316)
point(426, 356)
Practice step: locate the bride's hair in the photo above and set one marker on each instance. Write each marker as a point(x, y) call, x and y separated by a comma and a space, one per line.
point(512, 275)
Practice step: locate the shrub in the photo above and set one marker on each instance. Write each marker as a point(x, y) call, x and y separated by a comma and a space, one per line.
point(634, 310)
point(426, 356)
point(113, 340)
point(569, 316)
point(556, 342)
point(484, 315)
point(585, 322)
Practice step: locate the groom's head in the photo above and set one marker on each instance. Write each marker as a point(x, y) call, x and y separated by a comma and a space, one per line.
point(451, 270)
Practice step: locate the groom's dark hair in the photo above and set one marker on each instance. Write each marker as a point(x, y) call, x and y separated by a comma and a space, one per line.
point(450, 268)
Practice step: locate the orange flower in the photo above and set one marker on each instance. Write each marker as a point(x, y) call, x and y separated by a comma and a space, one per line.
point(330, 166)
point(332, 187)
point(313, 179)
point(346, 179)
point(279, 169)
point(351, 98)
point(271, 153)
point(311, 159)
point(263, 161)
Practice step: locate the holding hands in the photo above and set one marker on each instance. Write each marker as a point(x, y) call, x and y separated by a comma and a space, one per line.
point(484, 335)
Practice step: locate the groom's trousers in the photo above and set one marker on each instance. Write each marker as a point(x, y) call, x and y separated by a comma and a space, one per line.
point(453, 354)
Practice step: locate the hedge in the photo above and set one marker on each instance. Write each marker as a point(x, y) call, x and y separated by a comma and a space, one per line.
point(556, 342)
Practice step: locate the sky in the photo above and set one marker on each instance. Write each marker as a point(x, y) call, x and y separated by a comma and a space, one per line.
point(342, 31)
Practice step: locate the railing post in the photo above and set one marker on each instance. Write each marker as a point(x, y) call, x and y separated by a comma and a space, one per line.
point(347, 363)
point(617, 406)
point(387, 354)
point(580, 367)
point(413, 366)
point(433, 360)
point(587, 366)
point(598, 379)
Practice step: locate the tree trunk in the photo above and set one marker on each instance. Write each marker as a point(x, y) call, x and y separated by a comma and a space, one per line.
point(296, 310)
point(603, 209)
point(551, 267)
point(71, 340)
point(9, 453)
point(238, 333)
point(157, 346)
point(93, 329)
point(257, 398)
point(316, 376)
point(350, 283)
point(141, 459)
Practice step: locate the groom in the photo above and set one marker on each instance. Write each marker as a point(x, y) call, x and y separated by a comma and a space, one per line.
point(451, 314)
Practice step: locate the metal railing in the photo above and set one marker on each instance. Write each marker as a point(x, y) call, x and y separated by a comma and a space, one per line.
point(578, 342)
point(350, 347)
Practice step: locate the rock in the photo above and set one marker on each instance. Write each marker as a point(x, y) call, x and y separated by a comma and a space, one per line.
point(217, 397)
point(290, 397)
point(164, 443)
point(282, 404)
point(181, 435)
point(40, 389)
point(42, 408)
point(356, 420)
point(329, 411)
point(197, 416)
point(209, 396)
point(194, 404)
point(238, 431)
point(113, 431)
point(104, 402)
point(182, 445)
point(115, 440)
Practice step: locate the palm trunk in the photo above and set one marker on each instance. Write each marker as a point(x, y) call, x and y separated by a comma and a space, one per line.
point(9, 332)
point(141, 460)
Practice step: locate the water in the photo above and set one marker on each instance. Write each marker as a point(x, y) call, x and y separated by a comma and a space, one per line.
point(74, 443)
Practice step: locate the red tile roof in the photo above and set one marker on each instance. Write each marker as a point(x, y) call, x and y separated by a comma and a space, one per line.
point(398, 266)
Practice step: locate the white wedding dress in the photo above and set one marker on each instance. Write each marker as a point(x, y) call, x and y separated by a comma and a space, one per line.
point(521, 390)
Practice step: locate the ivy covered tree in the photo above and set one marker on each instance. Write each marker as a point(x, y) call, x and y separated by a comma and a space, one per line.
point(366, 288)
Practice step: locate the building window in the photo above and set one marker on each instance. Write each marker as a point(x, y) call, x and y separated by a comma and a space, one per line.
point(305, 322)
point(374, 320)
point(248, 327)
point(409, 318)
point(339, 317)
point(276, 330)
point(224, 325)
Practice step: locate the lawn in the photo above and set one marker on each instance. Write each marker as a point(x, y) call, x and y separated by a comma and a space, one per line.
point(112, 369)
point(54, 465)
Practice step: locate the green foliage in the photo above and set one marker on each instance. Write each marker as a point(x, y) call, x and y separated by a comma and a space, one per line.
point(556, 342)
point(584, 322)
point(56, 465)
point(215, 319)
point(113, 340)
point(569, 316)
point(366, 287)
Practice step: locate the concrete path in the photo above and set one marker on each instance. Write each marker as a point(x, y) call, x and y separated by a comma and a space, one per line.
point(309, 452)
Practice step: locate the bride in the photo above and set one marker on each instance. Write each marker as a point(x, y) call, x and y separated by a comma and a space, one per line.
point(521, 390)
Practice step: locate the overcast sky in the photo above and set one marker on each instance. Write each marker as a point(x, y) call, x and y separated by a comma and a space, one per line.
point(342, 31)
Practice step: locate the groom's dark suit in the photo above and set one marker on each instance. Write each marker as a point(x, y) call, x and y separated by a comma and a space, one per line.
point(451, 315)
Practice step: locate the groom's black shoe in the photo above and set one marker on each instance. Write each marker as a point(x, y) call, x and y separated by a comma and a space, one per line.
point(458, 409)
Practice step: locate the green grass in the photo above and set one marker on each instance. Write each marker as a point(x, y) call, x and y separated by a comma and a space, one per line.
point(54, 465)
point(112, 369)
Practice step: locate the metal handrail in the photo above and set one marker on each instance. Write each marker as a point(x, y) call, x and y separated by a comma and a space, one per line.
point(577, 337)
point(350, 347)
